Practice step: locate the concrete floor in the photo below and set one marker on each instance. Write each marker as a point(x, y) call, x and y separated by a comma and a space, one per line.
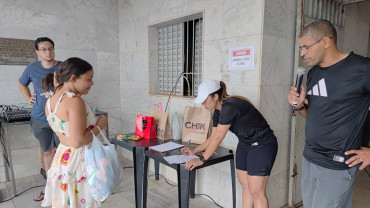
point(167, 194)
point(361, 196)
point(124, 196)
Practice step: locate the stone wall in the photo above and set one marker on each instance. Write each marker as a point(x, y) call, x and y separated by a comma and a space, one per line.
point(227, 25)
point(85, 29)
point(276, 78)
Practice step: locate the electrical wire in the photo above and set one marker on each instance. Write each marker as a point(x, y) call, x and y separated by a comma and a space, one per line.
point(210, 198)
point(164, 179)
point(21, 193)
point(176, 186)
point(301, 205)
point(195, 194)
point(2, 140)
point(41, 186)
point(177, 81)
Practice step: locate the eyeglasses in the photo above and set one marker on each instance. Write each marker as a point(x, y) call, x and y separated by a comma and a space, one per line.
point(46, 49)
point(305, 48)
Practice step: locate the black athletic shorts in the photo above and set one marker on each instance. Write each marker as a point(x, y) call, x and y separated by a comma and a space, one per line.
point(257, 160)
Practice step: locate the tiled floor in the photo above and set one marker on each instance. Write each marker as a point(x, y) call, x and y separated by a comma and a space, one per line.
point(167, 194)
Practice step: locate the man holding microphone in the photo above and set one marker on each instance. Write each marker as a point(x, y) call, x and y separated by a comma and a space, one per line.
point(335, 106)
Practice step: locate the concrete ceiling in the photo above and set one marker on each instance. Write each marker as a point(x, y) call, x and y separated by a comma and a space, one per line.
point(362, 9)
point(344, 2)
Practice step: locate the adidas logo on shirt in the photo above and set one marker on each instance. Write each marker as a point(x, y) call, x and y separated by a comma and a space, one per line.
point(319, 89)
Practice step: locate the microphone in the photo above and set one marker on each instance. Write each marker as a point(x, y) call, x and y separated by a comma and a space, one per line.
point(298, 81)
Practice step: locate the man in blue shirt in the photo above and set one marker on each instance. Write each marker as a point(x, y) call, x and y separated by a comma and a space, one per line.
point(34, 73)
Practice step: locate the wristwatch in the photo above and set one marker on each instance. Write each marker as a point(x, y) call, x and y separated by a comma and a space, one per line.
point(202, 159)
point(300, 108)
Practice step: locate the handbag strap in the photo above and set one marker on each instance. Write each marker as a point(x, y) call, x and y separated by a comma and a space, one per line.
point(104, 136)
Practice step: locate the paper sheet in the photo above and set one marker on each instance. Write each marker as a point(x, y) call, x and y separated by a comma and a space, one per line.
point(166, 147)
point(178, 159)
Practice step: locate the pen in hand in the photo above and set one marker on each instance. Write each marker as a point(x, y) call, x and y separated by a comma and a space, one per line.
point(185, 150)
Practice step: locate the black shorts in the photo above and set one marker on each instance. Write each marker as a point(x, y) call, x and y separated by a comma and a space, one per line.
point(258, 160)
point(43, 132)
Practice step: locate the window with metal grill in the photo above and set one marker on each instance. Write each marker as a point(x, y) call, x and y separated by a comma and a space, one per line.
point(331, 10)
point(179, 57)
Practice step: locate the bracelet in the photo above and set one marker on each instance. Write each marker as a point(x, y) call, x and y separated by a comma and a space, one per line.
point(300, 108)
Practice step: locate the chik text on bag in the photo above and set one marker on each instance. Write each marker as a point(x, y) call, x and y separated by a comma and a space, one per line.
point(196, 124)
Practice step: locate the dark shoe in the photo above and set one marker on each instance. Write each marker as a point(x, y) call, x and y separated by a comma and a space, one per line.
point(39, 197)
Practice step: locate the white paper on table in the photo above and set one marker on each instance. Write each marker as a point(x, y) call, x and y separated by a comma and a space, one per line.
point(178, 159)
point(166, 147)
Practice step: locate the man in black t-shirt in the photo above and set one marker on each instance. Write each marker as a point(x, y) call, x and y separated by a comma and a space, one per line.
point(335, 107)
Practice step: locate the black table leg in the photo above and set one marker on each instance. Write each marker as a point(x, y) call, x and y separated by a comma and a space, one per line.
point(139, 157)
point(232, 166)
point(183, 177)
point(156, 168)
point(145, 185)
point(192, 183)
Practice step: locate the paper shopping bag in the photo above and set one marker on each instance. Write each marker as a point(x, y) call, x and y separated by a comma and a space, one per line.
point(196, 124)
point(162, 124)
point(145, 127)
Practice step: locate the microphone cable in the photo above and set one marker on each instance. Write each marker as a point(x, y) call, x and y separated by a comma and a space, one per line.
point(177, 81)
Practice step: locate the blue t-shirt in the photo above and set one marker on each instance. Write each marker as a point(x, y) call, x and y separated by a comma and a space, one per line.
point(34, 73)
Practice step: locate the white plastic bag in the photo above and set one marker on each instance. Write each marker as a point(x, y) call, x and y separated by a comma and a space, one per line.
point(102, 168)
point(176, 128)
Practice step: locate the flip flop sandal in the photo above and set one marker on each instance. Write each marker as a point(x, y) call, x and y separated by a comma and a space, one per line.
point(40, 195)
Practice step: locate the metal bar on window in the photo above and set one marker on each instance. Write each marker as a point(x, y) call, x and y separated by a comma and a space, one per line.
point(324, 9)
point(171, 57)
point(187, 48)
point(192, 62)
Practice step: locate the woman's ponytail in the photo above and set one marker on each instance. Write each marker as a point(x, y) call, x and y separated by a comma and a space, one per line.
point(222, 93)
point(47, 82)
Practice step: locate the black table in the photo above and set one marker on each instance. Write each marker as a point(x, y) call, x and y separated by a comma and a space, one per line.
point(138, 149)
point(186, 178)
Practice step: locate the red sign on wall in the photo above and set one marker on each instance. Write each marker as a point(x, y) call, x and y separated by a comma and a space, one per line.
point(241, 58)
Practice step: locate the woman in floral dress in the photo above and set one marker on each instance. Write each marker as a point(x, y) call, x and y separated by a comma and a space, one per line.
point(73, 121)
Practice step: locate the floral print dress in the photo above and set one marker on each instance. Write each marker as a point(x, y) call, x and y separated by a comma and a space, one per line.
point(66, 185)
